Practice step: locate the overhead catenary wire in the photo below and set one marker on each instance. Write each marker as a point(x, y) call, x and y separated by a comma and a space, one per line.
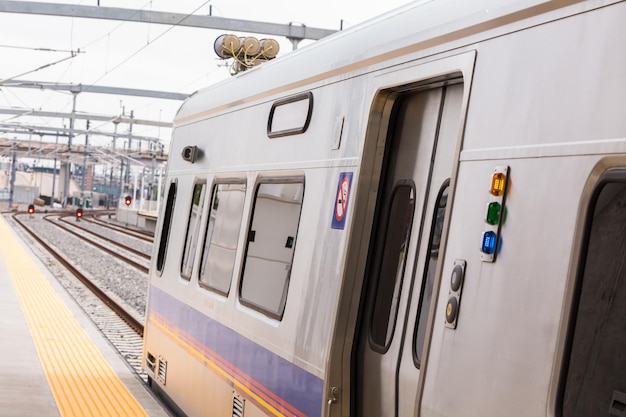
point(109, 33)
point(30, 48)
point(132, 55)
point(72, 55)
point(149, 42)
point(113, 67)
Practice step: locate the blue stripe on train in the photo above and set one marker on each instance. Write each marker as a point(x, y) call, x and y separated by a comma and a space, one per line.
point(291, 383)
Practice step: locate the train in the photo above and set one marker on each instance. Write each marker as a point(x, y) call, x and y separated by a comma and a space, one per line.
point(422, 215)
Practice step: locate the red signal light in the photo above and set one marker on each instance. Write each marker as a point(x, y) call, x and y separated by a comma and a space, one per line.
point(31, 209)
point(128, 200)
point(79, 213)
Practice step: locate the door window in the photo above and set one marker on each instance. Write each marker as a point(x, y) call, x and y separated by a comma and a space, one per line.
point(595, 369)
point(392, 251)
point(428, 281)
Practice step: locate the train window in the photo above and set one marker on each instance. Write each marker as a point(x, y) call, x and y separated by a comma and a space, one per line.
point(221, 236)
point(428, 279)
point(165, 231)
point(270, 246)
point(290, 116)
point(193, 230)
point(392, 252)
point(593, 377)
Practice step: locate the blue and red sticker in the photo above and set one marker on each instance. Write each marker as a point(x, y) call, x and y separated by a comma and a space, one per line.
point(341, 200)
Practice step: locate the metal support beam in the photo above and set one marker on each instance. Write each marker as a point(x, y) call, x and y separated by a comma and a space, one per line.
point(83, 116)
point(68, 164)
point(13, 169)
point(177, 19)
point(54, 169)
point(62, 131)
point(84, 171)
point(80, 88)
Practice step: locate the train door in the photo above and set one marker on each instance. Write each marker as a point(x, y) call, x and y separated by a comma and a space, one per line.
point(402, 259)
point(594, 372)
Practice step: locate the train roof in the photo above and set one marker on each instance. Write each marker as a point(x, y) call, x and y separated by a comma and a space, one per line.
point(418, 29)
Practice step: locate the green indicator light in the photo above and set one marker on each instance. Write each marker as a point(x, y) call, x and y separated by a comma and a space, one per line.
point(493, 213)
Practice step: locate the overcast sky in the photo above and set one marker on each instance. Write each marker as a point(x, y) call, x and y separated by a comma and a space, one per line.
point(146, 56)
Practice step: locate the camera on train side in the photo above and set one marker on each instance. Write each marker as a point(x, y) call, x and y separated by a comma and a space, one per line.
point(191, 153)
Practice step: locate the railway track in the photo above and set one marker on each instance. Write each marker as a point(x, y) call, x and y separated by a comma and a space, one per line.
point(95, 219)
point(67, 225)
point(128, 317)
point(115, 242)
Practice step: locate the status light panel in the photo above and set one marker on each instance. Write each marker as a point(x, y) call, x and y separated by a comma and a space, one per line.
point(491, 241)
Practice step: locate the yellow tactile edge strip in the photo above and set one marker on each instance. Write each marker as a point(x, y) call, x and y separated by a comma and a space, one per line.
point(82, 381)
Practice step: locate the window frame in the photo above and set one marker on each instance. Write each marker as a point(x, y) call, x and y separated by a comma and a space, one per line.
point(295, 179)
point(376, 271)
point(273, 134)
point(216, 182)
point(615, 175)
point(445, 187)
point(198, 225)
point(166, 225)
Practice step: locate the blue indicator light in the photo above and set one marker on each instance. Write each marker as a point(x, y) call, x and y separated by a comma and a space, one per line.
point(489, 242)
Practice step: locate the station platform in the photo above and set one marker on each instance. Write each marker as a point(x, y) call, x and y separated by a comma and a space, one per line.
point(55, 362)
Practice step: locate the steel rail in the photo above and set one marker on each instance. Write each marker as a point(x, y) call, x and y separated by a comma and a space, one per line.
point(146, 236)
point(127, 317)
point(103, 248)
point(105, 238)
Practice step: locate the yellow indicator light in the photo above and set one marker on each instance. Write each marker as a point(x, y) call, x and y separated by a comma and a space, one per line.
point(497, 184)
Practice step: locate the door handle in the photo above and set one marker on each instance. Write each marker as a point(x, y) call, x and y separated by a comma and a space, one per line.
point(334, 398)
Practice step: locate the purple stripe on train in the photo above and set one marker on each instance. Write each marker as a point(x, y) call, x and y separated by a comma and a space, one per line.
point(295, 386)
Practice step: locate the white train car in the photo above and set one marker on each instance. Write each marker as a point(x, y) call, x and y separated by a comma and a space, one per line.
point(424, 215)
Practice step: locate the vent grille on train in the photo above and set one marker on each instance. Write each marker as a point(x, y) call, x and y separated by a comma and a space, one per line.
point(151, 361)
point(162, 371)
point(238, 404)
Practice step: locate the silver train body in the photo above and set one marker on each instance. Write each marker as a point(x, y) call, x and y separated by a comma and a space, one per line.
point(420, 216)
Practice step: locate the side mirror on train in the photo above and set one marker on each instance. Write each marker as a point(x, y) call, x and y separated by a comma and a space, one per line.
point(191, 153)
